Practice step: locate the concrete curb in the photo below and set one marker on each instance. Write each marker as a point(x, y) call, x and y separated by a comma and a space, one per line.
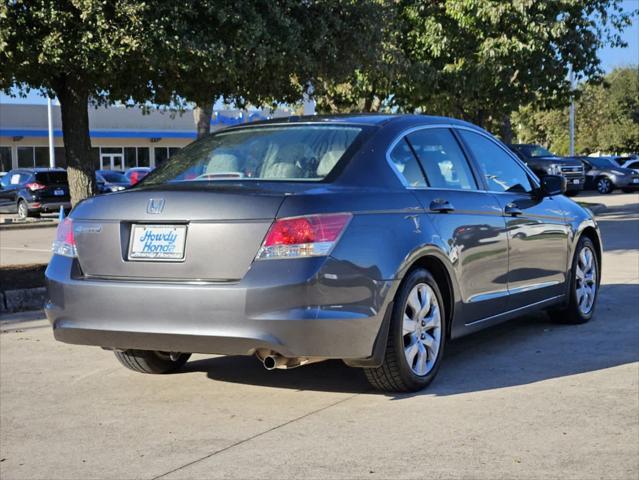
point(22, 299)
point(25, 226)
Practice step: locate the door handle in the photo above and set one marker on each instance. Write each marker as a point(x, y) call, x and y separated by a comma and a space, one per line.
point(512, 209)
point(441, 206)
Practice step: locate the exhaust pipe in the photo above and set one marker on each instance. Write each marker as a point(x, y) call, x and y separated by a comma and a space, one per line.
point(271, 362)
point(275, 360)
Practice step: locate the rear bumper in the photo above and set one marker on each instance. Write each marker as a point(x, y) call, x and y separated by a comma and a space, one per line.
point(575, 187)
point(302, 316)
point(44, 206)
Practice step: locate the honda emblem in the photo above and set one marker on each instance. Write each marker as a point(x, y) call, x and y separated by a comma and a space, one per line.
point(155, 205)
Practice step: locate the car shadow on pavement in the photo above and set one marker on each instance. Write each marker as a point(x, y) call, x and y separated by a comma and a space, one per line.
point(527, 350)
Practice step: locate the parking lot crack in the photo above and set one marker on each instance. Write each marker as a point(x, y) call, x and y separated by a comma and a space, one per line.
point(257, 435)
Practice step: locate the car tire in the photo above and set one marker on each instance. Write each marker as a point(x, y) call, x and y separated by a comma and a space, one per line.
point(604, 185)
point(23, 210)
point(418, 319)
point(147, 361)
point(584, 280)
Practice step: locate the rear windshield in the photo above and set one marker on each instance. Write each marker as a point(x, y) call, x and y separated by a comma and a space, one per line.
point(284, 153)
point(114, 177)
point(51, 178)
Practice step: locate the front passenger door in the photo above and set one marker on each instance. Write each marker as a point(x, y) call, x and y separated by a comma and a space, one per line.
point(537, 231)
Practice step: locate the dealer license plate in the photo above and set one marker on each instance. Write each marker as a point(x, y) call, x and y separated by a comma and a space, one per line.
point(58, 192)
point(576, 181)
point(157, 242)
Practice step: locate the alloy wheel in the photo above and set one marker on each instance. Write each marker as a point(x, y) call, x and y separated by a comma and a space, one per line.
point(23, 210)
point(586, 280)
point(603, 185)
point(422, 329)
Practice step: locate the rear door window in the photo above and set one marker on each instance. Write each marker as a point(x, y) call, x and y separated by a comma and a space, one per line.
point(405, 164)
point(442, 159)
point(277, 153)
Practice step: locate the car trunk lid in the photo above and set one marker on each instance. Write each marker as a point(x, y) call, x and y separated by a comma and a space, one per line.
point(221, 230)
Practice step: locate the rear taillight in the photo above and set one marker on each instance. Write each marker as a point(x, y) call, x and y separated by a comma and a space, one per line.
point(33, 186)
point(64, 243)
point(310, 236)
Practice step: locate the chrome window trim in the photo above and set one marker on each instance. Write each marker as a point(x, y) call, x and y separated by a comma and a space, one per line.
point(408, 131)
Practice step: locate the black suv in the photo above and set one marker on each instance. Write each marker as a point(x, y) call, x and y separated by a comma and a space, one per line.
point(31, 191)
point(543, 163)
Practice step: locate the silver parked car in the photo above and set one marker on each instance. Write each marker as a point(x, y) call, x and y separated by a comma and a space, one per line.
point(371, 239)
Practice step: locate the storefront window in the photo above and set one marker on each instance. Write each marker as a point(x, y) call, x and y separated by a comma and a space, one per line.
point(41, 157)
point(143, 157)
point(161, 155)
point(130, 157)
point(25, 157)
point(60, 157)
point(104, 150)
point(5, 159)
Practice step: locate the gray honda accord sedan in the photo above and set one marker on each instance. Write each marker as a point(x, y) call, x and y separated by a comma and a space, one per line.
point(367, 238)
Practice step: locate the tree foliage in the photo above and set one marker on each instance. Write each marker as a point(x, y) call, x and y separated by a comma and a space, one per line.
point(481, 59)
point(606, 118)
point(262, 53)
point(75, 50)
point(164, 51)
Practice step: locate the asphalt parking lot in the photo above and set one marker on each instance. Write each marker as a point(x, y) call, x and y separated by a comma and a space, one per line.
point(529, 399)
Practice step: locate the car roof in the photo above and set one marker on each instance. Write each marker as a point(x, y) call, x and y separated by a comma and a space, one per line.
point(373, 119)
point(40, 169)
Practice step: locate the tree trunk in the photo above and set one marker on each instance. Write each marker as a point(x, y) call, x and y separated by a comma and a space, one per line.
point(74, 103)
point(202, 116)
point(506, 130)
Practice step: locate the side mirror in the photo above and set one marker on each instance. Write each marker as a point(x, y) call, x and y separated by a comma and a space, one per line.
point(552, 185)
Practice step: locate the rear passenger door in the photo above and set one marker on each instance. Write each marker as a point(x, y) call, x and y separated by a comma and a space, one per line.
point(468, 220)
point(537, 231)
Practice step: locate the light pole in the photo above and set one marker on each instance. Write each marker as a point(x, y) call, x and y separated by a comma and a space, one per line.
point(51, 147)
point(572, 112)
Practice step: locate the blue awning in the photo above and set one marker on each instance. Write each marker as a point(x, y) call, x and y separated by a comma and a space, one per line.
point(16, 132)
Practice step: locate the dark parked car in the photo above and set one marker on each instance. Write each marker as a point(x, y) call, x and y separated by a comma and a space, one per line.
point(371, 239)
point(632, 163)
point(32, 191)
point(543, 162)
point(604, 175)
point(136, 174)
point(111, 181)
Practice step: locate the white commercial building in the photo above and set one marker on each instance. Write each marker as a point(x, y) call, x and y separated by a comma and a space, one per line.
point(123, 137)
